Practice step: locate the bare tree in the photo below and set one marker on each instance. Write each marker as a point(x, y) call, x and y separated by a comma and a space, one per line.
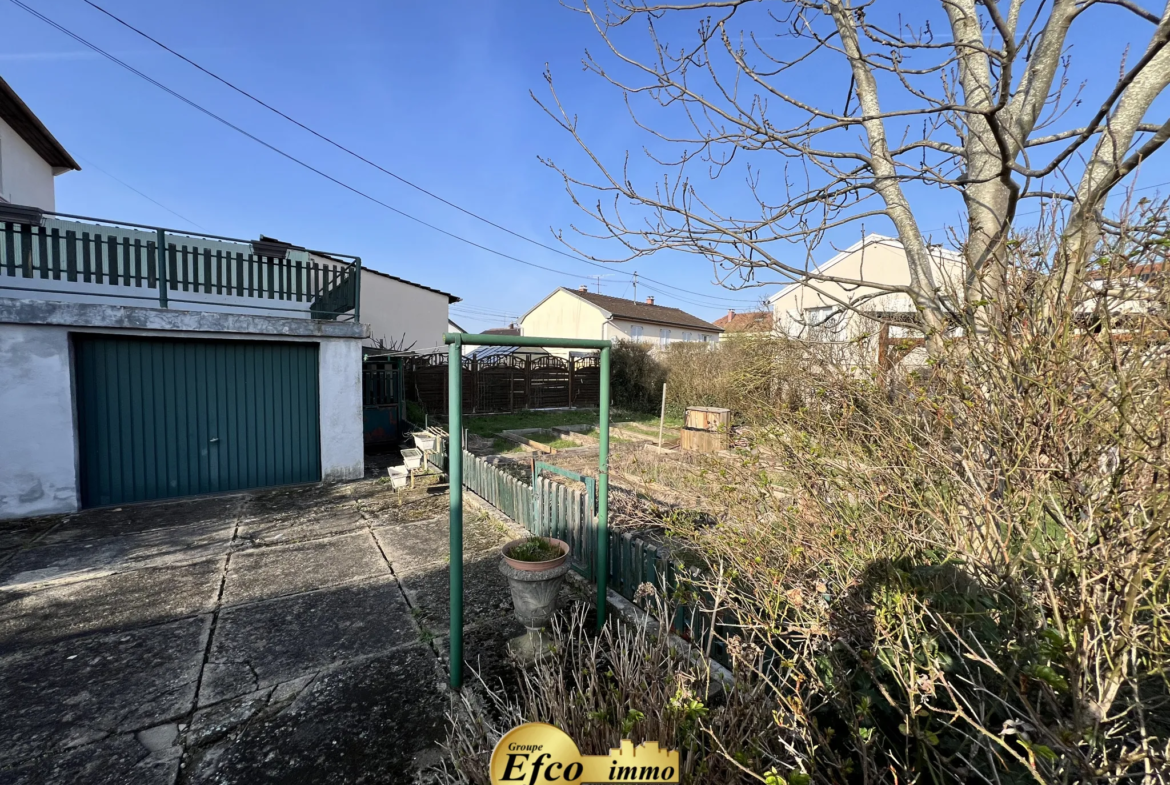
point(983, 108)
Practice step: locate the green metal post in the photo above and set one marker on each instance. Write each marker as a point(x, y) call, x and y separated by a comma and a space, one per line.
point(603, 492)
point(161, 256)
point(357, 289)
point(455, 475)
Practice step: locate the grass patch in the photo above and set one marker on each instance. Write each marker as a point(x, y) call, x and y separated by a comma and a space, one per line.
point(553, 440)
point(500, 444)
point(490, 424)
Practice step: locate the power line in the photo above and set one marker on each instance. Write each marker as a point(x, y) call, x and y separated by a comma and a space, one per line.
point(379, 167)
point(144, 196)
point(280, 152)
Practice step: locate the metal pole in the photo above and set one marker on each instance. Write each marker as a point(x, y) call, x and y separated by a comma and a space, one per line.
point(357, 289)
point(603, 492)
point(161, 243)
point(455, 475)
point(662, 417)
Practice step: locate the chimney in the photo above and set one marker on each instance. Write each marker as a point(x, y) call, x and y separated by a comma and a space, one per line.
point(730, 312)
point(583, 288)
point(650, 300)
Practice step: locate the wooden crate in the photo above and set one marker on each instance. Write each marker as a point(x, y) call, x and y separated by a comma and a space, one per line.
point(708, 418)
point(694, 440)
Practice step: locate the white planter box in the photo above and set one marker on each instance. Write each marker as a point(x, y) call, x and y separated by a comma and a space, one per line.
point(412, 458)
point(425, 441)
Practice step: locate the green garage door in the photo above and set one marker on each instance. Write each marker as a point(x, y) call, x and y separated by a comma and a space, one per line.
point(162, 418)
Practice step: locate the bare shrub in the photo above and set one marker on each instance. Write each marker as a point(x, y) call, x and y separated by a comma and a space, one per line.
point(631, 682)
point(967, 581)
point(955, 575)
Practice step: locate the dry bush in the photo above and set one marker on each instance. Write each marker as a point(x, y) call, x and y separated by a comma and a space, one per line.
point(626, 682)
point(970, 581)
point(955, 575)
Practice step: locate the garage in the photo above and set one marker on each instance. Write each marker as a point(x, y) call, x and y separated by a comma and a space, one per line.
point(163, 418)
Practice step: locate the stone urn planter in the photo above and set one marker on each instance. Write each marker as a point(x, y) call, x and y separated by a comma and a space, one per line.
point(534, 586)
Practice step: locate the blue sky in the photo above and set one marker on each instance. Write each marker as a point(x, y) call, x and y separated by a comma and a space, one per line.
point(435, 91)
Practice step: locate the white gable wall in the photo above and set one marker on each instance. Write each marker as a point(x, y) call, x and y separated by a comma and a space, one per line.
point(25, 178)
point(563, 315)
point(404, 316)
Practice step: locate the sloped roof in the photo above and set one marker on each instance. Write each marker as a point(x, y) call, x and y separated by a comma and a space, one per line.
point(644, 312)
point(502, 331)
point(16, 113)
point(751, 322)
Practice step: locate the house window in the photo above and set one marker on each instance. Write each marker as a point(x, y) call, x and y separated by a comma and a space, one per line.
point(663, 337)
point(636, 332)
point(705, 337)
point(822, 323)
point(686, 336)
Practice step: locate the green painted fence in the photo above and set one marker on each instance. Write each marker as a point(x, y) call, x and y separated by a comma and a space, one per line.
point(54, 255)
point(552, 509)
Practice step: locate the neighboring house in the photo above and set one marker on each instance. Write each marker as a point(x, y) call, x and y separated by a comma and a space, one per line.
point(511, 329)
point(30, 157)
point(233, 364)
point(579, 313)
point(751, 323)
point(404, 315)
point(831, 313)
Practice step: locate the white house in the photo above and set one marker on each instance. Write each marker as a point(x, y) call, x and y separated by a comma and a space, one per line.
point(403, 315)
point(579, 313)
point(832, 313)
point(30, 157)
point(131, 375)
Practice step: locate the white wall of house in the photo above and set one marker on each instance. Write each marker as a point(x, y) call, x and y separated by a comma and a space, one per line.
point(402, 315)
point(816, 310)
point(38, 463)
point(25, 178)
point(38, 445)
point(653, 334)
point(562, 315)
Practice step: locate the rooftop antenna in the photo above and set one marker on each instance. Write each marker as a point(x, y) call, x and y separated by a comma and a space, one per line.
point(635, 285)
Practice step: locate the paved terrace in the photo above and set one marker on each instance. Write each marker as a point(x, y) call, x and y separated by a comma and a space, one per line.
point(294, 635)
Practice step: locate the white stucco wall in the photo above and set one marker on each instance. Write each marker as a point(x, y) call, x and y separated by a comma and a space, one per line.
point(38, 464)
point(877, 260)
point(403, 316)
point(25, 178)
point(342, 446)
point(562, 315)
point(38, 445)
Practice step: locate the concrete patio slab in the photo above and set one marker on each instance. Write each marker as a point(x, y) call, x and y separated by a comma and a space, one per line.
point(82, 690)
point(421, 546)
point(386, 507)
point(118, 521)
point(301, 525)
point(119, 760)
point(33, 614)
point(485, 596)
point(90, 558)
point(276, 571)
point(366, 722)
point(258, 637)
point(259, 645)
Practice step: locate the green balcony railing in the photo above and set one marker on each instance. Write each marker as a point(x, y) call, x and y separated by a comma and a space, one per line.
point(80, 258)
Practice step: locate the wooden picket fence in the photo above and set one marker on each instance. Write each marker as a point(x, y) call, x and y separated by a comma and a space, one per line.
point(552, 509)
